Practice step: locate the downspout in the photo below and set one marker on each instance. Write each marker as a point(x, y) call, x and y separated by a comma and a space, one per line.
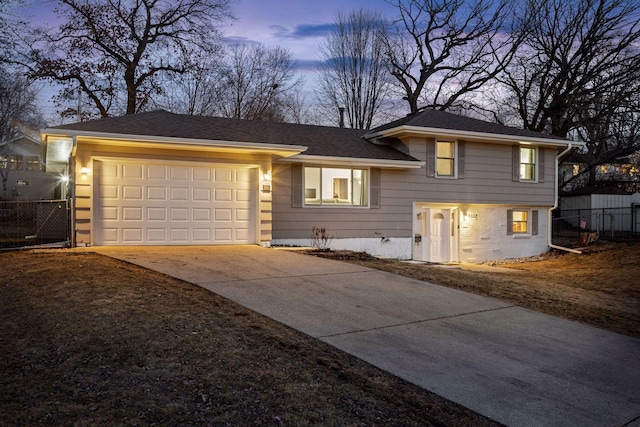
point(555, 206)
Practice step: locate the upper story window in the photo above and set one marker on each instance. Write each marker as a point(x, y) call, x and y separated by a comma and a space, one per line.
point(336, 187)
point(445, 158)
point(527, 164)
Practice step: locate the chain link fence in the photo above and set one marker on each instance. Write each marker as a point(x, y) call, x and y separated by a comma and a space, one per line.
point(34, 223)
point(614, 224)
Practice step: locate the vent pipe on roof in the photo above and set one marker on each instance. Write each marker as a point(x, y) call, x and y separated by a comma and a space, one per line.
point(341, 110)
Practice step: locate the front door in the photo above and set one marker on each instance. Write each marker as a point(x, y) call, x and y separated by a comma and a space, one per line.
point(439, 236)
point(435, 235)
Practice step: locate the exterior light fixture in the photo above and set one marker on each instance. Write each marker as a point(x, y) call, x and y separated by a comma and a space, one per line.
point(84, 170)
point(266, 182)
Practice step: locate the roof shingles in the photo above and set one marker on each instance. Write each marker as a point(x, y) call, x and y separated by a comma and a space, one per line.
point(320, 140)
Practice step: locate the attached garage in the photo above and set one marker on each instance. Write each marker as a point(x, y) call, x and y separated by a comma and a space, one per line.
point(172, 203)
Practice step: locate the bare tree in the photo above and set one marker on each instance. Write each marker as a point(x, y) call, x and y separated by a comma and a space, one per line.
point(255, 82)
point(441, 50)
point(580, 61)
point(114, 50)
point(353, 75)
point(193, 92)
point(578, 75)
point(10, 22)
point(18, 111)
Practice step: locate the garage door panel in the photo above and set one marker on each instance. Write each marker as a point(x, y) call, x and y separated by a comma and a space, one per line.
point(157, 193)
point(132, 235)
point(109, 213)
point(179, 173)
point(156, 172)
point(132, 214)
point(202, 174)
point(173, 204)
point(156, 214)
point(179, 194)
point(179, 235)
point(201, 235)
point(202, 214)
point(178, 214)
point(201, 195)
point(223, 234)
point(132, 192)
point(130, 171)
point(223, 175)
point(242, 233)
point(110, 235)
point(157, 235)
point(243, 195)
point(108, 192)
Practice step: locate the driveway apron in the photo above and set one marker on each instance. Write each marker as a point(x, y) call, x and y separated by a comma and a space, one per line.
point(513, 365)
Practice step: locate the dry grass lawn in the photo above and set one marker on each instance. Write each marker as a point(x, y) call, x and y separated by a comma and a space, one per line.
point(86, 340)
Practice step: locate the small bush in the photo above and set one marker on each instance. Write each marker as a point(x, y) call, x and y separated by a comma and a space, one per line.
point(320, 239)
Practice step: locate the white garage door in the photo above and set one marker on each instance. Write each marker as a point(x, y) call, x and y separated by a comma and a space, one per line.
point(172, 204)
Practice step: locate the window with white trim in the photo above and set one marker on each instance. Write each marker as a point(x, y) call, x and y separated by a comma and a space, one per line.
point(522, 222)
point(445, 159)
point(325, 186)
point(527, 164)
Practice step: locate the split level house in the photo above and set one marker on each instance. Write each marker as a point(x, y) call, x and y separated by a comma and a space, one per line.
point(431, 186)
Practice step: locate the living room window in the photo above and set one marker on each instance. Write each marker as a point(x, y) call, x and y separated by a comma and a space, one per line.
point(445, 159)
point(527, 164)
point(336, 187)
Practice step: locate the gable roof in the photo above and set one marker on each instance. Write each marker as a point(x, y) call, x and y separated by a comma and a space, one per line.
point(435, 121)
point(318, 140)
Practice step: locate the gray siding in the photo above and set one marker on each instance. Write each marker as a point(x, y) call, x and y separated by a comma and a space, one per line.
point(392, 219)
point(487, 180)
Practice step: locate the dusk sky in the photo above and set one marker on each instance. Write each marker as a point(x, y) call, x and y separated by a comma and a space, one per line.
point(298, 25)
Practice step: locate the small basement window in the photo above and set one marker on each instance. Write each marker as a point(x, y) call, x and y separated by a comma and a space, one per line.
point(522, 222)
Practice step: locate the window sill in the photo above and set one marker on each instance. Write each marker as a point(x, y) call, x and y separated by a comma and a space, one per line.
point(522, 236)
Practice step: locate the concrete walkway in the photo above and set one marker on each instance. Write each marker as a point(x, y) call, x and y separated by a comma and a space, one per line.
point(510, 364)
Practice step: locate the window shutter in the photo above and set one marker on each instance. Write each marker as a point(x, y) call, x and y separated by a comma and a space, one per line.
point(296, 185)
point(460, 159)
point(509, 222)
point(540, 164)
point(516, 163)
point(431, 157)
point(534, 223)
point(375, 187)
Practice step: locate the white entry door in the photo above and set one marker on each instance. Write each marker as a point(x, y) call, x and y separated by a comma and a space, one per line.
point(139, 203)
point(439, 236)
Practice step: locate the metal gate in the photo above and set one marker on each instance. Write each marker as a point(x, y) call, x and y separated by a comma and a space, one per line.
point(34, 223)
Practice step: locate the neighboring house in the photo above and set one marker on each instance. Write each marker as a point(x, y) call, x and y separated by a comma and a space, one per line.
point(432, 186)
point(21, 165)
point(622, 172)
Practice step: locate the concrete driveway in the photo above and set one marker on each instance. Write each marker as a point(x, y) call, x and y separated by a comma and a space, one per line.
point(510, 364)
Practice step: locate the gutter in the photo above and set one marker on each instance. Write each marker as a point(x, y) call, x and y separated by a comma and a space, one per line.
point(555, 206)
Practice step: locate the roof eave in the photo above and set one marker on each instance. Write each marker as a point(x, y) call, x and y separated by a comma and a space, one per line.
point(354, 161)
point(468, 135)
point(173, 142)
